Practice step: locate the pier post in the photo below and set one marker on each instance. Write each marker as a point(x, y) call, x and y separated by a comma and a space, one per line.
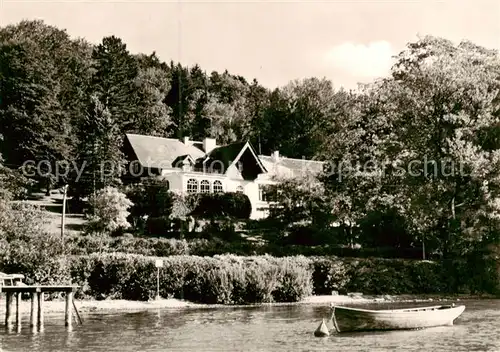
point(40, 297)
point(33, 313)
point(37, 296)
point(8, 309)
point(69, 306)
point(18, 311)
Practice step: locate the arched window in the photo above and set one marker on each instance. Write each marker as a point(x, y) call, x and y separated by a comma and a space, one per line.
point(239, 189)
point(192, 186)
point(218, 187)
point(205, 186)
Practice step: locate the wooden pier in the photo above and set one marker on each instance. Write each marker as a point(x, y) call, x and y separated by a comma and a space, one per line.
point(37, 299)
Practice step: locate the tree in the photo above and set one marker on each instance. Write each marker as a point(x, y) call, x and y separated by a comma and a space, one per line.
point(13, 184)
point(145, 62)
point(21, 221)
point(41, 68)
point(179, 99)
point(256, 102)
point(114, 81)
point(221, 119)
point(109, 211)
point(196, 110)
point(356, 159)
point(153, 116)
point(446, 102)
point(299, 208)
point(273, 125)
point(151, 198)
point(421, 144)
point(295, 118)
point(100, 159)
point(223, 205)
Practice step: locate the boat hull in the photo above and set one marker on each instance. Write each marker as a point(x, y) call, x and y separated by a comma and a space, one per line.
point(348, 319)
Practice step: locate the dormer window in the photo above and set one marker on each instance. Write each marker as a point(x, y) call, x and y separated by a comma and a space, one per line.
point(184, 162)
point(186, 165)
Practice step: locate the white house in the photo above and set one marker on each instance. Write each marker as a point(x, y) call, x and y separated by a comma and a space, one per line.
point(205, 167)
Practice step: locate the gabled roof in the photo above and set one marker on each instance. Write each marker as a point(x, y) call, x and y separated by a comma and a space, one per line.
point(164, 153)
point(161, 153)
point(289, 167)
point(230, 154)
point(179, 161)
point(225, 154)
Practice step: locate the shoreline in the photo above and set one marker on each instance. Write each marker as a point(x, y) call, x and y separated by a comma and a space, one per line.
point(123, 306)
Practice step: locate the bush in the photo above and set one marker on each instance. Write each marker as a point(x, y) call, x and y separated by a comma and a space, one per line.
point(308, 236)
point(295, 280)
point(330, 274)
point(39, 259)
point(109, 211)
point(109, 275)
point(260, 283)
point(21, 221)
point(151, 198)
point(13, 183)
point(428, 277)
point(166, 247)
point(227, 279)
point(371, 276)
point(222, 229)
point(217, 280)
point(221, 205)
point(141, 284)
point(158, 226)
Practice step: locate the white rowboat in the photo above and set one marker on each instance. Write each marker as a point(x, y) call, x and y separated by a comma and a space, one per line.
point(347, 319)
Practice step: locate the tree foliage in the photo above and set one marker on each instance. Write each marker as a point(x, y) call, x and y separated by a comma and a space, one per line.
point(223, 205)
point(109, 211)
point(412, 159)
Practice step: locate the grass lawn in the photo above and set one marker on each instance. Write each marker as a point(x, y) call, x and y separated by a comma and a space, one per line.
point(52, 205)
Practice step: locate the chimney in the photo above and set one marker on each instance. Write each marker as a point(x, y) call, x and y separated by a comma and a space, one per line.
point(276, 155)
point(209, 144)
point(185, 140)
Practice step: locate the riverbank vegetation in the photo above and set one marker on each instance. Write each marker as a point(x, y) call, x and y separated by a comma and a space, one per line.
point(231, 279)
point(221, 279)
point(413, 172)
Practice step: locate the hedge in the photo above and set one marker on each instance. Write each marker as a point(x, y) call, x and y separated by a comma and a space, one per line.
point(213, 280)
point(230, 279)
point(209, 243)
point(229, 204)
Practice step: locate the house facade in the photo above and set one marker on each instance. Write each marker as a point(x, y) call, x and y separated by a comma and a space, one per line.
point(205, 167)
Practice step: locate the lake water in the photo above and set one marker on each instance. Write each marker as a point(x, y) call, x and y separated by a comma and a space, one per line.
point(279, 328)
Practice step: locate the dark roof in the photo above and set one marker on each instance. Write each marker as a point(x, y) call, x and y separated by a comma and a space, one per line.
point(228, 154)
point(225, 154)
point(157, 152)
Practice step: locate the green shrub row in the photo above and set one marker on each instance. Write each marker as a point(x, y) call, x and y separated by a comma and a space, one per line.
point(212, 280)
point(210, 244)
point(230, 279)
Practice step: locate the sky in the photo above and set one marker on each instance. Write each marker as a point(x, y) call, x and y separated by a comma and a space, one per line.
point(348, 42)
